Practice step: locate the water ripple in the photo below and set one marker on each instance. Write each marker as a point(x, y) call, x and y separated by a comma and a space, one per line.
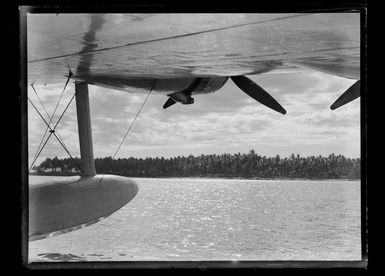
point(195, 219)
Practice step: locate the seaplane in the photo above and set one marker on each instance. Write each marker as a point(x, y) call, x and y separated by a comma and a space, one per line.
point(178, 55)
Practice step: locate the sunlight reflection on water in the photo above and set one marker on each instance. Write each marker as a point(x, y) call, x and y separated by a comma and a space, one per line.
point(221, 219)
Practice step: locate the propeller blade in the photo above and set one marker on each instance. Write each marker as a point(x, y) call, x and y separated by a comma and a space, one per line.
point(257, 93)
point(349, 95)
point(169, 103)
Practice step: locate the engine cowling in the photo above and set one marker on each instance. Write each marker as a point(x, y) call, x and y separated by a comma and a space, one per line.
point(164, 86)
point(195, 87)
point(210, 85)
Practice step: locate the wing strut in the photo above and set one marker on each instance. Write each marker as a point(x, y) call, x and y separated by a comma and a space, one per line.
point(84, 128)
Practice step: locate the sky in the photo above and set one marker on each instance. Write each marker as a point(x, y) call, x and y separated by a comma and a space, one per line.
point(227, 121)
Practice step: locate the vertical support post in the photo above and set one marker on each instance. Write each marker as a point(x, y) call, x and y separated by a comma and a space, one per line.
point(84, 128)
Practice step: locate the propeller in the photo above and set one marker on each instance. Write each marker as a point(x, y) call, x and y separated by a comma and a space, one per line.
point(257, 93)
point(169, 103)
point(349, 95)
point(244, 83)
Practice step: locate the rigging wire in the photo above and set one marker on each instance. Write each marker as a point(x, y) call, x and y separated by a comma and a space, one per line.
point(57, 104)
point(131, 125)
point(46, 130)
point(64, 111)
point(52, 131)
point(53, 114)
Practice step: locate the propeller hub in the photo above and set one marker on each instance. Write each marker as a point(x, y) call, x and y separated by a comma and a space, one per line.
point(190, 100)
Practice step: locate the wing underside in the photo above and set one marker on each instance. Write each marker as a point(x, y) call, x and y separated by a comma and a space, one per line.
point(111, 48)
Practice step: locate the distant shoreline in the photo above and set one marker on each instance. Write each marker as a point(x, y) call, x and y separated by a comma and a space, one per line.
point(225, 166)
point(209, 177)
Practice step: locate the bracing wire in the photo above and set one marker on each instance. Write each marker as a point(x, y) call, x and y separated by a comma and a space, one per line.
point(57, 104)
point(61, 95)
point(131, 125)
point(52, 131)
point(46, 130)
point(39, 149)
point(53, 114)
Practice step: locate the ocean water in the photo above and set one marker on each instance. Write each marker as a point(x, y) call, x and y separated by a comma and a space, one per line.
point(220, 219)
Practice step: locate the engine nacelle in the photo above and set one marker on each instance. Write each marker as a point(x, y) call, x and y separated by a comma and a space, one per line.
point(189, 101)
point(209, 85)
point(164, 86)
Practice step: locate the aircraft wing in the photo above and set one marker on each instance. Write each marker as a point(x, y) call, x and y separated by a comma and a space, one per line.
point(116, 47)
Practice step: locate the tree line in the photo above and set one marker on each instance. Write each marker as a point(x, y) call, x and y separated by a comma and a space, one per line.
point(250, 165)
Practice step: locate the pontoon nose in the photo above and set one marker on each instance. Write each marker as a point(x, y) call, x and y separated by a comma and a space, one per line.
point(63, 204)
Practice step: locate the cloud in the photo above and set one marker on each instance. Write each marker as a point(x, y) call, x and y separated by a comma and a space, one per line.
point(225, 121)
